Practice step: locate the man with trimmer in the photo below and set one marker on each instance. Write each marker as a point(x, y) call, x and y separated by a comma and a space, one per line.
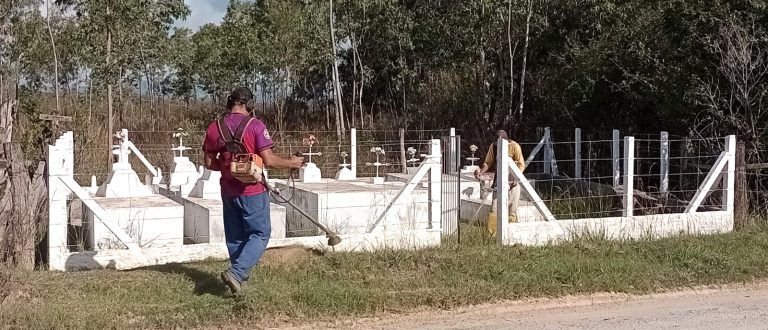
point(516, 153)
point(240, 146)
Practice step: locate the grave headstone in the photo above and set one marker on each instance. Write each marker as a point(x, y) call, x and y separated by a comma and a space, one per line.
point(378, 151)
point(123, 182)
point(309, 172)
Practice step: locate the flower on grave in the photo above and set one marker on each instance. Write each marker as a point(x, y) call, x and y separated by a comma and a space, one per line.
point(377, 150)
point(309, 140)
point(180, 133)
point(473, 148)
point(411, 151)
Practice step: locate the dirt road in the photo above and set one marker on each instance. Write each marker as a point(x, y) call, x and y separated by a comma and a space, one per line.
point(732, 308)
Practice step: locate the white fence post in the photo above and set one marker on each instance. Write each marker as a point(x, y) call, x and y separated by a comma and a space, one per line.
point(629, 175)
point(432, 165)
point(60, 165)
point(577, 152)
point(353, 152)
point(435, 186)
point(615, 154)
point(502, 186)
point(452, 140)
point(664, 166)
point(730, 177)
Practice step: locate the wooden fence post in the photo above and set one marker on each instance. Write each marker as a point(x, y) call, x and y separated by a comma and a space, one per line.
point(21, 228)
point(741, 197)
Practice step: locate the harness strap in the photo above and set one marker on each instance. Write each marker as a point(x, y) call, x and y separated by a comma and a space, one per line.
point(226, 133)
point(241, 129)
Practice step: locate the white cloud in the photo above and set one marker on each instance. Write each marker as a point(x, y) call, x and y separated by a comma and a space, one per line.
point(203, 12)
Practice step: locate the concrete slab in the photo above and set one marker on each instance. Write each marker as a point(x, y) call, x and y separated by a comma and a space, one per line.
point(351, 207)
point(636, 227)
point(152, 221)
point(203, 221)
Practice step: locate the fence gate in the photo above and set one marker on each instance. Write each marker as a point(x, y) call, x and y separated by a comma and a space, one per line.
point(451, 192)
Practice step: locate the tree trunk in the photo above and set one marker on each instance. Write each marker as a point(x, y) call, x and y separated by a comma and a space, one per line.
point(511, 111)
point(55, 58)
point(90, 96)
point(354, 77)
point(340, 129)
point(109, 97)
point(360, 93)
point(525, 57)
point(481, 69)
point(21, 229)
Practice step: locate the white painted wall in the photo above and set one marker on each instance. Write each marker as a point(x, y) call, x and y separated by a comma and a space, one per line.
point(636, 227)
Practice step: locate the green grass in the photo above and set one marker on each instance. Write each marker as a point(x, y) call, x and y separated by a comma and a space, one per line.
point(317, 287)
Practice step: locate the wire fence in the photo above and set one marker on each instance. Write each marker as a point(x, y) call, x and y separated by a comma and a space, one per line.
point(667, 173)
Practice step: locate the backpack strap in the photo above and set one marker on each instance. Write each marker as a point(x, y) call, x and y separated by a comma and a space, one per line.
point(224, 131)
point(241, 129)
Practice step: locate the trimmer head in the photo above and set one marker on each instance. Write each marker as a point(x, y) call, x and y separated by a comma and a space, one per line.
point(334, 240)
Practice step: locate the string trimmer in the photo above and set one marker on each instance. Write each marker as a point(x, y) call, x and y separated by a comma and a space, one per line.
point(333, 239)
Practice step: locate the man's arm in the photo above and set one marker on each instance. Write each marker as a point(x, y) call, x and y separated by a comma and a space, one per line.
point(487, 162)
point(517, 156)
point(277, 162)
point(212, 162)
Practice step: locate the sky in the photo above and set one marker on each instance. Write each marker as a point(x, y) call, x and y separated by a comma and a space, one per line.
point(203, 12)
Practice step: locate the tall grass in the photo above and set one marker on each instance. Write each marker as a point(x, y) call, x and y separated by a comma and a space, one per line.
point(299, 287)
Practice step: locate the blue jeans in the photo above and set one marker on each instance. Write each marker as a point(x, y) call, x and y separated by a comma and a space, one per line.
point(246, 228)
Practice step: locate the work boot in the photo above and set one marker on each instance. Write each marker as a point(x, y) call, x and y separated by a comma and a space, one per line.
point(231, 282)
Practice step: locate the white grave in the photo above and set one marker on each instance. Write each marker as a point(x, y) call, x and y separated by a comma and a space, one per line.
point(204, 222)
point(345, 174)
point(151, 220)
point(184, 175)
point(208, 186)
point(309, 172)
point(378, 151)
point(123, 180)
point(351, 207)
point(203, 212)
point(358, 208)
point(471, 168)
point(412, 163)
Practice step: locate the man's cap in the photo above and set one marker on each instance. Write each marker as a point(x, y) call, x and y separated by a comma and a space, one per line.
point(502, 134)
point(241, 94)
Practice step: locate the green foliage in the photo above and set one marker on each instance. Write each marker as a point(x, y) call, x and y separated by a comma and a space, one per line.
point(635, 65)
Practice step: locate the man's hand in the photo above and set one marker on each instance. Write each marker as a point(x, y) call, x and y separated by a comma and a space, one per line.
point(477, 174)
point(296, 162)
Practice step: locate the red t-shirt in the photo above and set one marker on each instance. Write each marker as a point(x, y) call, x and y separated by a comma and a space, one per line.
point(255, 138)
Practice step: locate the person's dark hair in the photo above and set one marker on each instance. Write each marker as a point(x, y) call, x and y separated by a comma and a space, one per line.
point(239, 96)
point(502, 134)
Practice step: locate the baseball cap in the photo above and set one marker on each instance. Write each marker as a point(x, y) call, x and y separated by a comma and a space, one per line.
point(241, 94)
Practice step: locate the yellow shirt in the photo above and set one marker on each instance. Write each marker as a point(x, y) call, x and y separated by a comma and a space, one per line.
point(514, 151)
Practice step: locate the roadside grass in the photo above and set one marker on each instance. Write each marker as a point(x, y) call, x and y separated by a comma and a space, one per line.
point(294, 286)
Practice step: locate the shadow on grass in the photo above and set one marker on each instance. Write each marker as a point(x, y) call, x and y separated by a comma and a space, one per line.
point(205, 282)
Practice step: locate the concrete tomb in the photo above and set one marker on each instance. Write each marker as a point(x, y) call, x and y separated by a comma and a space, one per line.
point(352, 207)
point(151, 220)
